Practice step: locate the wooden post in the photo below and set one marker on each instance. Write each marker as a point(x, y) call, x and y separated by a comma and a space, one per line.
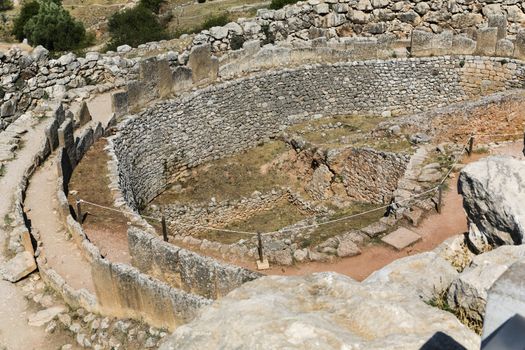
point(440, 198)
point(79, 211)
point(470, 145)
point(164, 229)
point(260, 246)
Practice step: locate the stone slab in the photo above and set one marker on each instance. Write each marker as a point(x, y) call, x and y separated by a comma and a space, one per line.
point(401, 238)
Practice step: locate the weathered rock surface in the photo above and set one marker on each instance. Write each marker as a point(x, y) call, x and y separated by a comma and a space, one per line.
point(319, 311)
point(423, 276)
point(44, 316)
point(493, 192)
point(18, 267)
point(469, 290)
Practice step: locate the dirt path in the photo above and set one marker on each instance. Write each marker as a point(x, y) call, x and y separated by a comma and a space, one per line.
point(434, 229)
point(14, 308)
point(42, 209)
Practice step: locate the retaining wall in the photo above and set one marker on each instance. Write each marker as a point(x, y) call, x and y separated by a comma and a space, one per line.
point(184, 269)
point(210, 123)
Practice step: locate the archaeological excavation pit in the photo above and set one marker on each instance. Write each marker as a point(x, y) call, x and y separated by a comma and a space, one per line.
point(282, 150)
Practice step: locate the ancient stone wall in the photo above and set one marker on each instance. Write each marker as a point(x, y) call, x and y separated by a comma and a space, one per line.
point(369, 176)
point(216, 121)
point(184, 269)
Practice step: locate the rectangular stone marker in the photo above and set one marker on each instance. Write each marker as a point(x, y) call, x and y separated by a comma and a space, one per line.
point(486, 42)
point(401, 238)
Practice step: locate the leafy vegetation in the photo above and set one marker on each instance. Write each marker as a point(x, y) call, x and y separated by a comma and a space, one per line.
point(28, 10)
point(152, 5)
point(277, 4)
point(134, 27)
point(48, 24)
point(5, 5)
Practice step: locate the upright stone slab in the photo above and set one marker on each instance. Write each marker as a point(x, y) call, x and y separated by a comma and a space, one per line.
point(119, 103)
point(499, 21)
point(519, 45)
point(182, 79)
point(202, 64)
point(486, 42)
point(83, 116)
point(66, 140)
point(504, 48)
point(155, 78)
point(442, 43)
point(462, 45)
point(421, 43)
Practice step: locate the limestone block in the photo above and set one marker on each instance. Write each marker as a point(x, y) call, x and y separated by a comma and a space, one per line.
point(519, 45)
point(486, 41)
point(462, 45)
point(505, 298)
point(67, 141)
point(119, 103)
point(8, 108)
point(498, 21)
point(182, 79)
point(203, 66)
point(83, 116)
point(421, 44)
point(504, 48)
point(493, 192)
point(18, 267)
point(45, 316)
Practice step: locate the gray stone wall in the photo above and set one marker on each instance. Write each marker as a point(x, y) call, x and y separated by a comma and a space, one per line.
point(210, 123)
point(183, 269)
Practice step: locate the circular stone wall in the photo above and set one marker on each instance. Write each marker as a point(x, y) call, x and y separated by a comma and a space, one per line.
point(156, 145)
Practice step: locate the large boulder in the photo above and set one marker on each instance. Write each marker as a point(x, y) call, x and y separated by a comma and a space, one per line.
point(319, 311)
point(18, 267)
point(469, 291)
point(426, 276)
point(493, 192)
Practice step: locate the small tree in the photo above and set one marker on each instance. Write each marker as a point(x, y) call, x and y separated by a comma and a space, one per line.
point(134, 27)
point(28, 10)
point(54, 28)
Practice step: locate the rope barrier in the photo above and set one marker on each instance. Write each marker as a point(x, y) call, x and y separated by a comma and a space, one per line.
point(210, 228)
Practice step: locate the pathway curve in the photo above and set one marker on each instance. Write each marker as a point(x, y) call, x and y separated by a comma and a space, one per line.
point(42, 207)
point(14, 308)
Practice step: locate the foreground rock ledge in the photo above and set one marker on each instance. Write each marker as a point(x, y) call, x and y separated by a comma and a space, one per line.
point(319, 311)
point(493, 192)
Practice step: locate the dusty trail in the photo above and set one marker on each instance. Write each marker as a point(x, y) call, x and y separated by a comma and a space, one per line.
point(434, 229)
point(42, 209)
point(14, 308)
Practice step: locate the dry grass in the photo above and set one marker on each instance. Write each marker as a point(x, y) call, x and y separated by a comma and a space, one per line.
point(91, 182)
point(230, 178)
point(356, 130)
point(441, 302)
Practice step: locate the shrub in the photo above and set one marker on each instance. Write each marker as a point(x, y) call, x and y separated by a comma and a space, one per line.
point(134, 27)
point(277, 4)
point(5, 5)
point(54, 28)
point(27, 11)
point(152, 5)
point(214, 21)
point(236, 42)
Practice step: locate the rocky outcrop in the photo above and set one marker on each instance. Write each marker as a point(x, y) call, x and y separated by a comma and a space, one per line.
point(469, 291)
point(493, 192)
point(320, 311)
point(423, 276)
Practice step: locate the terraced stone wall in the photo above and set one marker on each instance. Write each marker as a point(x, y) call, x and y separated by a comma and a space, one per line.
point(162, 141)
